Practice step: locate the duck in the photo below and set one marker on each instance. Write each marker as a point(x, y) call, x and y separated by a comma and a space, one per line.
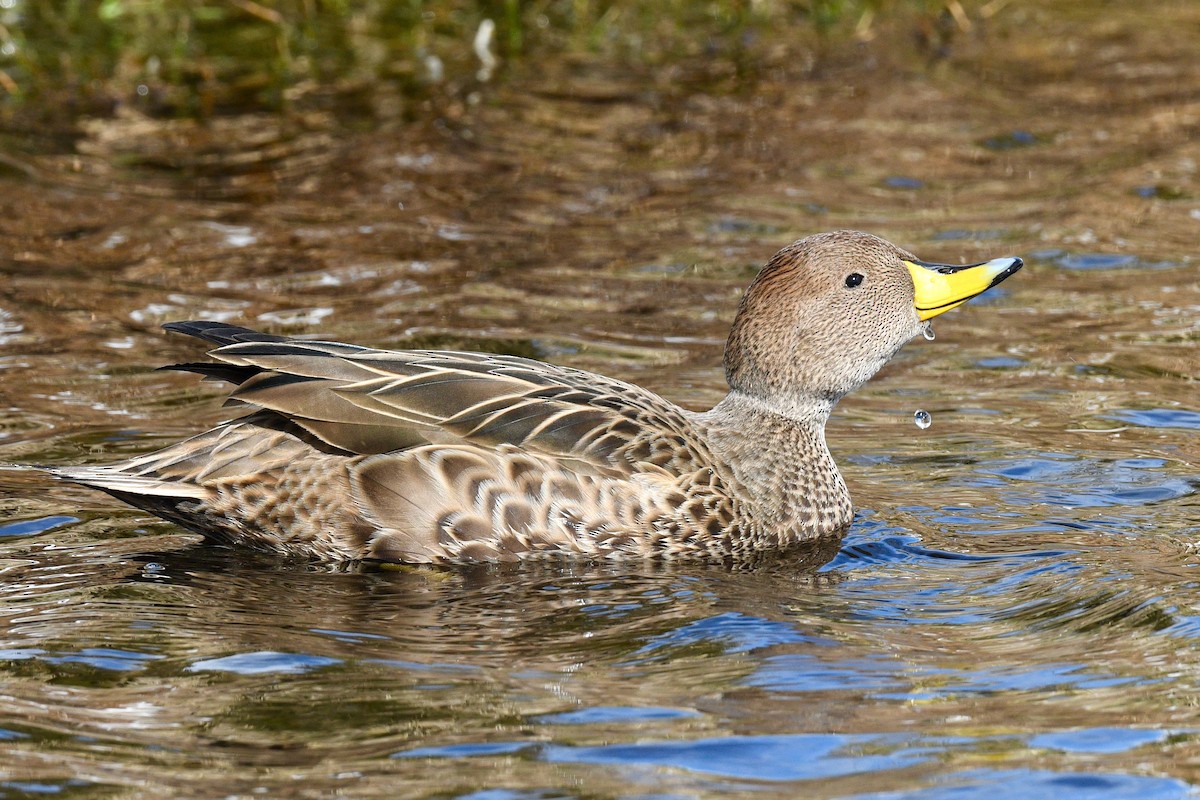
point(351, 453)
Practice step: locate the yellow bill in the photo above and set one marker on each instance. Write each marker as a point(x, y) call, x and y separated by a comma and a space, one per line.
point(941, 287)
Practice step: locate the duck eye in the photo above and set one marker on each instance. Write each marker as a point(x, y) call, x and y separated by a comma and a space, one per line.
point(853, 279)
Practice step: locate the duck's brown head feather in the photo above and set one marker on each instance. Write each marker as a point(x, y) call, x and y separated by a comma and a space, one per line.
point(820, 319)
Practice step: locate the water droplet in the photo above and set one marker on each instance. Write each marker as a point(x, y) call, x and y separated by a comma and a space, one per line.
point(923, 418)
point(928, 333)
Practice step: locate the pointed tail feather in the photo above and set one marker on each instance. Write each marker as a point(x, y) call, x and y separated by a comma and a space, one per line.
point(221, 333)
point(124, 486)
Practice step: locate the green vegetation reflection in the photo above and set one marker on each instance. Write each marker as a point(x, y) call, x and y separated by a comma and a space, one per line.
point(185, 58)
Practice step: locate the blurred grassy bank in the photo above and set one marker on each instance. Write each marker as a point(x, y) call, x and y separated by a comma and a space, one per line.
point(197, 58)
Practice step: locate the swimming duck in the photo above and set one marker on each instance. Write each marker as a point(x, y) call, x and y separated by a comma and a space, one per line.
point(351, 453)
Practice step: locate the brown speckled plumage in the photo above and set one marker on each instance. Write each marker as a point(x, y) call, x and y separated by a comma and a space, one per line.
point(421, 456)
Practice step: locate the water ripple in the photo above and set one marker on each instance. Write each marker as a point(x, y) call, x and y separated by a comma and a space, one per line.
point(40, 525)
point(1158, 418)
point(105, 658)
point(731, 632)
point(262, 663)
point(1099, 740)
point(784, 757)
point(612, 714)
point(1067, 480)
point(1030, 784)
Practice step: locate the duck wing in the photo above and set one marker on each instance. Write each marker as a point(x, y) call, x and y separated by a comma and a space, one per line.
point(367, 401)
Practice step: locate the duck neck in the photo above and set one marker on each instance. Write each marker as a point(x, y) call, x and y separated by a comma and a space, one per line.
point(784, 472)
point(800, 410)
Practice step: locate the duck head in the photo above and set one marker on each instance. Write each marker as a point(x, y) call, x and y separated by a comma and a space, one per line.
point(829, 310)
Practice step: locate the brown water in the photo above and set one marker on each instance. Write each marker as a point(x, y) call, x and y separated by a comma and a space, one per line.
point(1016, 611)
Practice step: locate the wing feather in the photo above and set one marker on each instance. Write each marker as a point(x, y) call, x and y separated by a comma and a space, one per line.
point(370, 401)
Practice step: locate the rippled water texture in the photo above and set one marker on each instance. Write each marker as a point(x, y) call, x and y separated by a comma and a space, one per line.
point(1015, 613)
